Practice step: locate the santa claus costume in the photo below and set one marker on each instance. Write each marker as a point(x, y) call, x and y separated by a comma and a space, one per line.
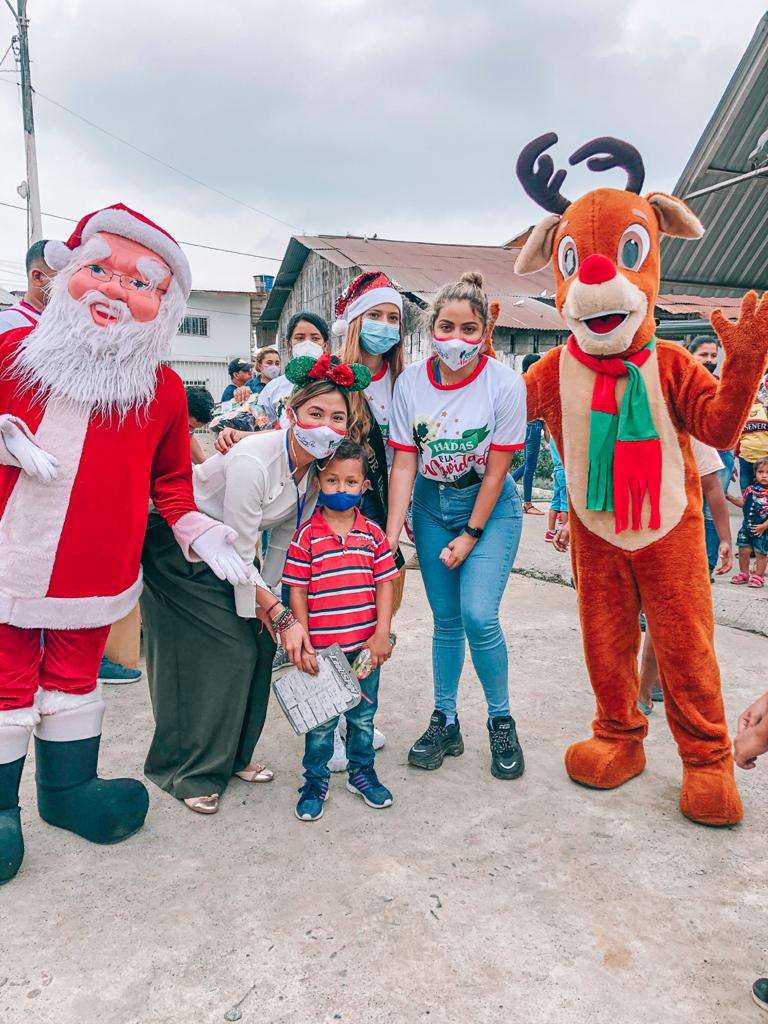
point(91, 427)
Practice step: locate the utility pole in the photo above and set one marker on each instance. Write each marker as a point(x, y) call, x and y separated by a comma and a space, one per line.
point(34, 220)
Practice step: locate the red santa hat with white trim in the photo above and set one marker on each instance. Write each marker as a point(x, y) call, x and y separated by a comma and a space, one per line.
point(368, 290)
point(120, 220)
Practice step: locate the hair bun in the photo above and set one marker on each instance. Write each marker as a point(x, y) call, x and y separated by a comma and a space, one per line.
point(473, 277)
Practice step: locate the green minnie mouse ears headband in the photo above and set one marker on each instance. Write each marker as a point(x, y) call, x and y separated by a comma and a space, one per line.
point(304, 370)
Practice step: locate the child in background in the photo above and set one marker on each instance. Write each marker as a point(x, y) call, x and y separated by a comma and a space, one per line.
point(340, 570)
point(753, 538)
point(752, 741)
point(558, 509)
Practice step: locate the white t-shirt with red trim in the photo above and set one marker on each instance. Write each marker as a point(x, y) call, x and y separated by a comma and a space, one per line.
point(378, 394)
point(453, 427)
point(23, 314)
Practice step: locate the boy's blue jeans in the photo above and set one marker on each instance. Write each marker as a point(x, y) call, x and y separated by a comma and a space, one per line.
point(318, 744)
point(465, 601)
point(527, 471)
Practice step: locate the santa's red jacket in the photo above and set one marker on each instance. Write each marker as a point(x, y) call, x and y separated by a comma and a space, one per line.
point(70, 550)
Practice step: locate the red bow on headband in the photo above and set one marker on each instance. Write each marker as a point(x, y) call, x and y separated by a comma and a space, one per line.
point(339, 373)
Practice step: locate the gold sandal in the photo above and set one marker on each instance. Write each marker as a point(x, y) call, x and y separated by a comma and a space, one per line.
point(256, 773)
point(203, 804)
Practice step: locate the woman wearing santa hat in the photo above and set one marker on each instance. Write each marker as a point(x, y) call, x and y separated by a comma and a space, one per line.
point(369, 320)
point(209, 645)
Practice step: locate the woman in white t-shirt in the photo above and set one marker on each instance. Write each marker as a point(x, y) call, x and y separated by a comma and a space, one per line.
point(456, 419)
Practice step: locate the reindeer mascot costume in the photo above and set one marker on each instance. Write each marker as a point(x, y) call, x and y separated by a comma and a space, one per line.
point(621, 405)
point(91, 426)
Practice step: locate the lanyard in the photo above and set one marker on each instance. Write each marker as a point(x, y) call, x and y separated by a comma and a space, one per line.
point(300, 501)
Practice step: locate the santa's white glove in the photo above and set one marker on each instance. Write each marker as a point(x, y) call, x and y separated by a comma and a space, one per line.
point(33, 460)
point(214, 547)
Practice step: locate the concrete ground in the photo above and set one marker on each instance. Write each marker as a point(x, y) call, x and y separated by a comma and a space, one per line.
point(469, 900)
point(746, 608)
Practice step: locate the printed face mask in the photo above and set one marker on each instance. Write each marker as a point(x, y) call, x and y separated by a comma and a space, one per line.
point(338, 501)
point(319, 442)
point(377, 338)
point(456, 352)
point(270, 372)
point(307, 348)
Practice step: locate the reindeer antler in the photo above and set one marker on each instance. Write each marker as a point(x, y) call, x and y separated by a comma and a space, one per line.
point(535, 171)
point(616, 153)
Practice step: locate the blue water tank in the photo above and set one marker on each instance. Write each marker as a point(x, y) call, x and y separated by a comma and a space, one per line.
point(263, 282)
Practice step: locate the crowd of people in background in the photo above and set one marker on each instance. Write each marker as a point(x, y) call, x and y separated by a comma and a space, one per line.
point(345, 448)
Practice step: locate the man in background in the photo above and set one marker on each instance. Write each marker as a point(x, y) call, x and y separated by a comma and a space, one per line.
point(240, 373)
point(26, 312)
point(200, 409)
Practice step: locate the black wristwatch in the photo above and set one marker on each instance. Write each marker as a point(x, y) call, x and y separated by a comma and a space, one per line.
point(474, 531)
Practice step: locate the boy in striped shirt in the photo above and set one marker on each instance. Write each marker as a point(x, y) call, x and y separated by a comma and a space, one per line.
point(340, 570)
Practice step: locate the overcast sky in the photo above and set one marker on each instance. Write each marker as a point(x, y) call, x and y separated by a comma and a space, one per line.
point(403, 118)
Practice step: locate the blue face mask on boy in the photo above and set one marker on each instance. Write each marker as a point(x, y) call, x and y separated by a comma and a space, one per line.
point(338, 501)
point(377, 338)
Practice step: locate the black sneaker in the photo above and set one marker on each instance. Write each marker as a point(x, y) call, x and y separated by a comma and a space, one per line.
point(439, 741)
point(507, 760)
point(760, 993)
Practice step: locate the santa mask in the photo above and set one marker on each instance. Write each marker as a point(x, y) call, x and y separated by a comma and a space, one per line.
point(456, 352)
point(104, 332)
point(319, 442)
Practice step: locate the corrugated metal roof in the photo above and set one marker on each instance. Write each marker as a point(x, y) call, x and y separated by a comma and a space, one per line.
point(700, 305)
point(733, 255)
point(422, 268)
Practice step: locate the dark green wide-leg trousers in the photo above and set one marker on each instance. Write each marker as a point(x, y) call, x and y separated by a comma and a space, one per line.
point(209, 671)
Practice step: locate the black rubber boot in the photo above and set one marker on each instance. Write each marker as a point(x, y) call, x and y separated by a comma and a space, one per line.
point(11, 839)
point(438, 742)
point(507, 760)
point(70, 794)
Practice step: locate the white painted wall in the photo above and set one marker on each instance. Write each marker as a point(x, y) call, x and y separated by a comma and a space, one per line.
point(229, 326)
point(205, 360)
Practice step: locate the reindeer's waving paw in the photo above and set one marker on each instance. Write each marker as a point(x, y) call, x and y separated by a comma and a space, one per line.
point(750, 332)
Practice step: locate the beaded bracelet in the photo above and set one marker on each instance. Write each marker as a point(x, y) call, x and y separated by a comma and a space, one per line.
point(284, 621)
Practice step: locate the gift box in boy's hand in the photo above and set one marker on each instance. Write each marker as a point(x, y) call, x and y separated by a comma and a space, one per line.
point(309, 701)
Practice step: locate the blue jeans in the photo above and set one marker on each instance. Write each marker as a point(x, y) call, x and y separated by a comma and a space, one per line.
point(710, 531)
point(746, 474)
point(528, 469)
point(465, 601)
point(318, 743)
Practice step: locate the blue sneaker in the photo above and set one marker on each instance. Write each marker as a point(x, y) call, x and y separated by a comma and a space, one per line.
point(366, 784)
point(314, 793)
point(111, 672)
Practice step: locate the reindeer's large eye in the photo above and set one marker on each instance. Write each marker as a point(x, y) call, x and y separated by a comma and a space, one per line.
point(567, 256)
point(634, 245)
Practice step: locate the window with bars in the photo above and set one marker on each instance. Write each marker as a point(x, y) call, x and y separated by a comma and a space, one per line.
point(194, 326)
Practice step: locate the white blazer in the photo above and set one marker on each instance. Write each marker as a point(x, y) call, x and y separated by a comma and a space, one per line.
point(251, 489)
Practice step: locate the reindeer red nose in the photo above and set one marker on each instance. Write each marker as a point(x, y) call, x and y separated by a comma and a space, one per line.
point(597, 269)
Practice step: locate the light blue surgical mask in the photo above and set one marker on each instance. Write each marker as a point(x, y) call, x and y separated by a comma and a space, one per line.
point(377, 338)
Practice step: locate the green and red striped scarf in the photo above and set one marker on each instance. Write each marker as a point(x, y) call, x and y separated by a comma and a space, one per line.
point(624, 445)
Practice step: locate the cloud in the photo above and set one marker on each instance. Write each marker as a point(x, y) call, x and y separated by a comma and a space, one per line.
point(349, 115)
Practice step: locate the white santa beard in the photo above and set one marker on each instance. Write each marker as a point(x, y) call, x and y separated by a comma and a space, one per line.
point(111, 368)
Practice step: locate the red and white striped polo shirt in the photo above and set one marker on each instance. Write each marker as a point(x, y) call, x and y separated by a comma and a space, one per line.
point(340, 577)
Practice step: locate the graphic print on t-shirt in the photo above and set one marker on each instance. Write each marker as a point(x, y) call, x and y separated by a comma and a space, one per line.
point(449, 457)
point(453, 428)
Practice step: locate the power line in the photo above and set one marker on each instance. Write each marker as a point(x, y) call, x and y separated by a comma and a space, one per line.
point(195, 245)
point(164, 163)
